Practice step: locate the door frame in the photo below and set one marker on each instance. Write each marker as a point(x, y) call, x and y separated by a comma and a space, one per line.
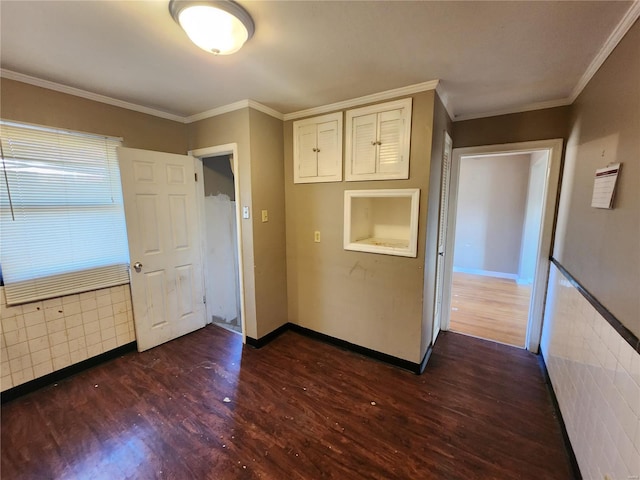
point(200, 154)
point(552, 183)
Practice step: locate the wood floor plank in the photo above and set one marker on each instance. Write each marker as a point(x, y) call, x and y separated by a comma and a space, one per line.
point(297, 409)
point(491, 308)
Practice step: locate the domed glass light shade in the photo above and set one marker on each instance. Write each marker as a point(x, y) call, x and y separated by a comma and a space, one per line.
point(220, 27)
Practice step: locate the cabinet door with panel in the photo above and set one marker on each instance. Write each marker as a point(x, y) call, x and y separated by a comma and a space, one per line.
point(378, 141)
point(317, 149)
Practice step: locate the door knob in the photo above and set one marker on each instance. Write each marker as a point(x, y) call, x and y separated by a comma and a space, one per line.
point(137, 266)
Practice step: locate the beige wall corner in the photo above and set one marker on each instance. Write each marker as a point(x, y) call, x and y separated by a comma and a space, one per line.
point(269, 241)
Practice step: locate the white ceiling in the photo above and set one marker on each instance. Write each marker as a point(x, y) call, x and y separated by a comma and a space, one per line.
point(489, 56)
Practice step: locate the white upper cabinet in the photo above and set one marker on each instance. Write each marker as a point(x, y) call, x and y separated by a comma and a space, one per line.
point(378, 141)
point(317, 149)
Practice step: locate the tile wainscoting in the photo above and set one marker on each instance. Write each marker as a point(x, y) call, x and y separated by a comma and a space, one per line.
point(595, 374)
point(41, 337)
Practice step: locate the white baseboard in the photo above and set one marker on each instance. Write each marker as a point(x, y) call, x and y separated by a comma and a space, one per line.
point(524, 281)
point(486, 273)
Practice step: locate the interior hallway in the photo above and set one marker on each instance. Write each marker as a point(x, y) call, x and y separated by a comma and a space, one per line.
point(492, 308)
point(203, 406)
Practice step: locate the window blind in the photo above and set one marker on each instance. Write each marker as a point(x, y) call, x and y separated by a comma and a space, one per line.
point(62, 226)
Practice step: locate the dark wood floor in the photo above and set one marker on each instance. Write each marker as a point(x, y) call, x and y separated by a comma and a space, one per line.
point(297, 409)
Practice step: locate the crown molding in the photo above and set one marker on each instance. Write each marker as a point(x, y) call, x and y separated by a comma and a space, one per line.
point(232, 107)
point(38, 82)
point(264, 109)
point(214, 112)
point(562, 102)
point(354, 102)
point(618, 33)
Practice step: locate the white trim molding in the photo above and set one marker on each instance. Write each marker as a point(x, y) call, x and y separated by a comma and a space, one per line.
point(247, 103)
point(617, 34)
point(356, 102)
point(77, 92)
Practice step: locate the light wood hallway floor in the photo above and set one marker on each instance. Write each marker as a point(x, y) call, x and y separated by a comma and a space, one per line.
point(492, 308)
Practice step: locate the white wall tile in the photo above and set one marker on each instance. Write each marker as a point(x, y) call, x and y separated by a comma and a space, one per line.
point(71, 308)
point(35, 317)
point(596, 377)
point(40, 356)
point(69, 299)
point(43, 369)
point(41, 337)
point(104, 301)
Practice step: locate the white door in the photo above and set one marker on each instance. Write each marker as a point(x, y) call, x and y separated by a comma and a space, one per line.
point(307, 157)
point(442, 233)
point(164, 244)
point(329, 149)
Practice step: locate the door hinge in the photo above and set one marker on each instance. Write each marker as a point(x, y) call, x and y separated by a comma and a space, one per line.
point(204, 299)
point(196, 175)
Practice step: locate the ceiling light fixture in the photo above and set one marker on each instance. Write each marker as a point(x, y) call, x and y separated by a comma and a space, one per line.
point(220, 27)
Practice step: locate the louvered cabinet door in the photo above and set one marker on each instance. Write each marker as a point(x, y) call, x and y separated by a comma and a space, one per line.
point(389, 158)
point(364, 135)
point(378, 140)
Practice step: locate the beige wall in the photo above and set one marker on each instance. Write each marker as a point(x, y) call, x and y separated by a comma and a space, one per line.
point(601, 248)
point(517, 127)
point(267, 186)
point(27, 103)
point(441, 123)
point(371, 300)
point(492, 195)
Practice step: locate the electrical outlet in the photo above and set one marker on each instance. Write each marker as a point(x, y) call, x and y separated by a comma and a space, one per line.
point(316, 236)
point(265, 216)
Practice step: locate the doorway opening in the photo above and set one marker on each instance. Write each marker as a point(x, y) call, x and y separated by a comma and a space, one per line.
point(221, 238)
point(501, 214)
point(498, 220)
point(219, 206)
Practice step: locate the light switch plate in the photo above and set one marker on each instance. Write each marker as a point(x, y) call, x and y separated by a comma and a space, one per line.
point(265, 216)
point(316, 236)
point(245, 212)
